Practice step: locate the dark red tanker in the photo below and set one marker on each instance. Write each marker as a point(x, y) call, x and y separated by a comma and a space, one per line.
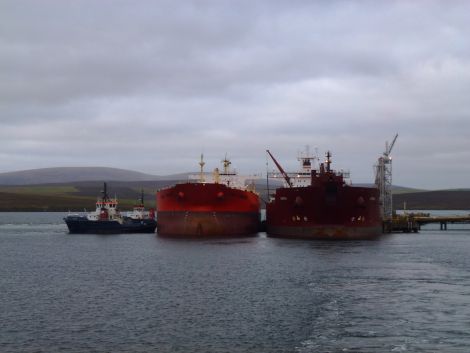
point(319, 204)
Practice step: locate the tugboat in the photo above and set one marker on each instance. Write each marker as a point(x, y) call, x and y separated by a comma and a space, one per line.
point(223, 205)
point(107, 219)
point(319, 204)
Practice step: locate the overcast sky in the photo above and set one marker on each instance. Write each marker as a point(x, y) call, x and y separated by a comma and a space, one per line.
point(149, 85)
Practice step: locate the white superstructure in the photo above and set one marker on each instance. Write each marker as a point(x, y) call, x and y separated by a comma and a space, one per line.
point(227, 177)
point(303, 176)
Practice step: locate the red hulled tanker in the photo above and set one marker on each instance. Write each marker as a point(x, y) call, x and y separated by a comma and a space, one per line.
point(222, 206)
point(319, 204)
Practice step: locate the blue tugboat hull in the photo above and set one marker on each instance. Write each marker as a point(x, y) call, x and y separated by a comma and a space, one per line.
point(82, 225)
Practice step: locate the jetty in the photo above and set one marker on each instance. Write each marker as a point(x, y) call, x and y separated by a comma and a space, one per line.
point(412, 222)
point(441, 220)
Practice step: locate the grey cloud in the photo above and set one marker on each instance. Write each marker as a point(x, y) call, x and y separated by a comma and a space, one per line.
point(150, 85)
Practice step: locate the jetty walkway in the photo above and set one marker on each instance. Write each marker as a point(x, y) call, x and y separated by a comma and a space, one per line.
point(441, 220)
point(412, 222)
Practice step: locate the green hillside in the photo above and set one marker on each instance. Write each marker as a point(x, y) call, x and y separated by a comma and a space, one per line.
point(75, 196)
point(82, 195)
point(434, 200)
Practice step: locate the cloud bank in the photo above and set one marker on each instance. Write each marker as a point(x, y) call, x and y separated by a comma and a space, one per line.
point(150, 85)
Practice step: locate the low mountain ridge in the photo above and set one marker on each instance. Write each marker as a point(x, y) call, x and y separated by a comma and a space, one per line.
point(71, 174)
point(76, 196)
point(456, 199)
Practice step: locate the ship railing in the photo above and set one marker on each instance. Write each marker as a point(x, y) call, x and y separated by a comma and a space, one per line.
point(275, 175)
point(73, 214)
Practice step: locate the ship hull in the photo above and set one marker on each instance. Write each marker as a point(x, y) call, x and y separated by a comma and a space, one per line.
point(341, 212)
point(326, 232)
point(81, 225)
point(207, 210)
point(207, 223)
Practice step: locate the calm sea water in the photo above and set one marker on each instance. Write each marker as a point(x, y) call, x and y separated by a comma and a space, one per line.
point(141, 293)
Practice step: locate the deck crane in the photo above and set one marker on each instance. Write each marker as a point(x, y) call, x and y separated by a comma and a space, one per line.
point(383, 180)
point(284, 174)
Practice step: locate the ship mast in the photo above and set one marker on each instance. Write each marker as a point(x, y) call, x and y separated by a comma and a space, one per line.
point(226, 163)
point(328, 161)
point(105, 192)
point(202, 163)
point(142, 196)
point(284, 174)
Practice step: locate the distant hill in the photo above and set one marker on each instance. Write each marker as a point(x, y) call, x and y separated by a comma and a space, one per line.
point(404, 190)
point(71, 174)
point(458, 199)
point(396, 189)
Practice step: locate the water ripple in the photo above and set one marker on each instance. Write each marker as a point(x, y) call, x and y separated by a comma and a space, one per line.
point(141, 293)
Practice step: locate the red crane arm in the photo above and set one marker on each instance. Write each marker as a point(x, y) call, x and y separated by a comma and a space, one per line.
point(284, 174)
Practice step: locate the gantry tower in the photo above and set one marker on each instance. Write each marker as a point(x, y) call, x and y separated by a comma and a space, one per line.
point(383, 180)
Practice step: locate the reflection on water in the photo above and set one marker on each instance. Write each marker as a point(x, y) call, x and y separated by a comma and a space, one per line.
point(141, 293)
